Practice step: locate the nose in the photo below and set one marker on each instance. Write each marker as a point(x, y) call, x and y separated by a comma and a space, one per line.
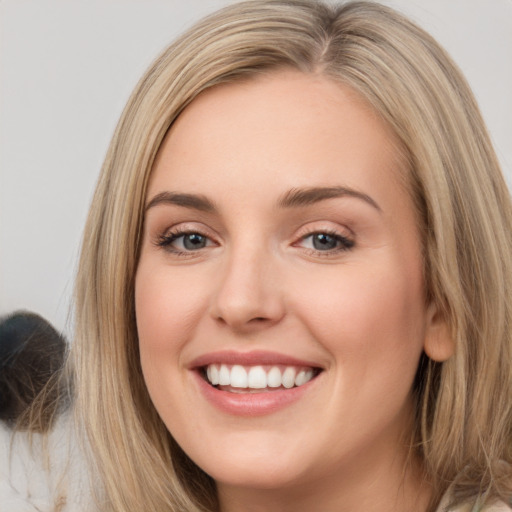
point(249, 295)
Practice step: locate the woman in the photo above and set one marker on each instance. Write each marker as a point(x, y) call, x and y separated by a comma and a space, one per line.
point(294, 288)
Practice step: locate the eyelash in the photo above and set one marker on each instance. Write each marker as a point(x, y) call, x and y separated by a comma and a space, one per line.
point(166, 240)
point(345, 243)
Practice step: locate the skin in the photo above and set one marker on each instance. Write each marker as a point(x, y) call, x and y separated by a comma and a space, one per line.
point(259, 283)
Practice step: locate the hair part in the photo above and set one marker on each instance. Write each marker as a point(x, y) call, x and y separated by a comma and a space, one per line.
point(464, 412)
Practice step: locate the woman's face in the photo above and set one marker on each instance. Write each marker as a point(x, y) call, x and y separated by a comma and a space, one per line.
point(281, 256)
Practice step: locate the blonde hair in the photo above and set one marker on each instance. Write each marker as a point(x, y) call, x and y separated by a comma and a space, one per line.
point(464, 412)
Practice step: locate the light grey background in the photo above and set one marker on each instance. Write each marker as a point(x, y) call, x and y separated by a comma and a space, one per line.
point(66, 70)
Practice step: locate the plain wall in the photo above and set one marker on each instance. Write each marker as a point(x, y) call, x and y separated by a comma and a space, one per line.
point(68, 66)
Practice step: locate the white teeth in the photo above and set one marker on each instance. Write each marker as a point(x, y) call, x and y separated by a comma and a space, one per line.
point(213, 374)
point(224, 377)
point(289, 377)
point(238, 377)
point(256, 377)
point(303, 376)
point(300, 378)
point(274, 377)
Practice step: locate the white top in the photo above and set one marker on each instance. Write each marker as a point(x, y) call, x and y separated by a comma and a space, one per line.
point(31, 482)
point(496, 507)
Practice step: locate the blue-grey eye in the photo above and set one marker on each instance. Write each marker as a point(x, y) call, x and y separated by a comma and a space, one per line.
point(194, 241)
point(184, 242)
point(324, 242)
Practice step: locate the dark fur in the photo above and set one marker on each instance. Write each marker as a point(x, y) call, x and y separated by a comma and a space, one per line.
point(31, 353)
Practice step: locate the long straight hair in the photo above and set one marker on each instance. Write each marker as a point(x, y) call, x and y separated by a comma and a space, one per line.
point(463, 406)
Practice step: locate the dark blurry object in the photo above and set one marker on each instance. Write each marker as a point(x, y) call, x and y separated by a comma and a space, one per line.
point(32, 354)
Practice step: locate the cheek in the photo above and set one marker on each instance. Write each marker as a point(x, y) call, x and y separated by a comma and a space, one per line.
point(369, 313)
point(167, 310)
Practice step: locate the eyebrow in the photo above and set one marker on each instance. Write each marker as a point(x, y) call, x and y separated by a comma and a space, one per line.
point(306, 196)
point(294, 198)
point(192, 201)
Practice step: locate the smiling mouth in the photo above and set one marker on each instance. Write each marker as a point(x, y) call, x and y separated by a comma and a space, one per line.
point(258, 378)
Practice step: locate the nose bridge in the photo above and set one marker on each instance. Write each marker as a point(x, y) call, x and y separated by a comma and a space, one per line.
point(248, 291)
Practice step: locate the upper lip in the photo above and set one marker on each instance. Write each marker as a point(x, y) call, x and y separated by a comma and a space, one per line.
point(252, 358)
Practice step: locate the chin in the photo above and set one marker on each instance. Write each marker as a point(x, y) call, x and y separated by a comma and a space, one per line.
point(256, 477)
point(251, 467)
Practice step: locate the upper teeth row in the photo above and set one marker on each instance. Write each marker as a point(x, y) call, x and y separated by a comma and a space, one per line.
point(257, 377)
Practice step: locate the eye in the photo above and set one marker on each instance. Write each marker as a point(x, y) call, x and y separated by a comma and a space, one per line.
point(184, 242)
point(326, 242)
point(192, 241)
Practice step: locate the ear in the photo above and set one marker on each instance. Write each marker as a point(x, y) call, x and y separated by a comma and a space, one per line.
point(439, 345)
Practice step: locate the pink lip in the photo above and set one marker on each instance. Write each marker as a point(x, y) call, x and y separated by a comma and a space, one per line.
point(255, 357)
point(251, 404)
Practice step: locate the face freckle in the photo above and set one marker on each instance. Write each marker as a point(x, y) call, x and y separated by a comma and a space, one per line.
point(278, 234)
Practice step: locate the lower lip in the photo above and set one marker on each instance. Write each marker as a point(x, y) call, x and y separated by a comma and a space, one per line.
point(252, 404)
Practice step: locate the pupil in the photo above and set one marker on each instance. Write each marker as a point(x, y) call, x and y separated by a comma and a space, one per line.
point(321, 241)
point(194, 241)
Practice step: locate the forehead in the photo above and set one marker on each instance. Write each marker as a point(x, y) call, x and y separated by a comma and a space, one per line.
point(281, 125)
